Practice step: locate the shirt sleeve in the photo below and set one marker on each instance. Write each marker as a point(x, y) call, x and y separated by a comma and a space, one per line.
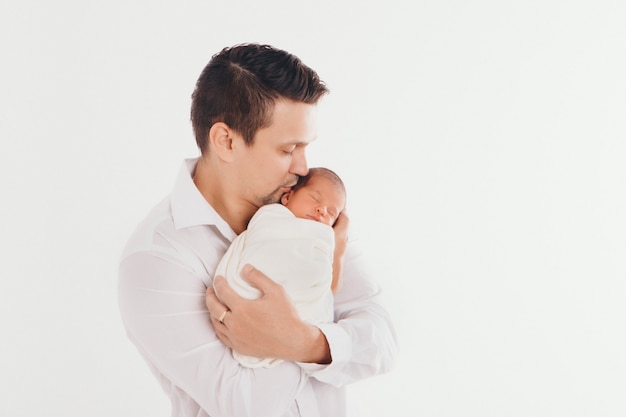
point(362, 339)
point(162, 304)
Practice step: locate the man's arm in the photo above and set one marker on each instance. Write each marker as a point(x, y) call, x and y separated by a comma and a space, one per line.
point(362, 339)
point(265, 327)
point(340, 229)
point(361, 343)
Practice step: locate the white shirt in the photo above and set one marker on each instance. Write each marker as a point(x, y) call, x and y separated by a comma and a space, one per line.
point(165, 270)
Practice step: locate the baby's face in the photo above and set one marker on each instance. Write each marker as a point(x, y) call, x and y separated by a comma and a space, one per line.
point(320, 200)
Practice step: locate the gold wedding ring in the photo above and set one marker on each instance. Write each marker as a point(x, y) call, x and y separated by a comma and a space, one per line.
point(221, 319)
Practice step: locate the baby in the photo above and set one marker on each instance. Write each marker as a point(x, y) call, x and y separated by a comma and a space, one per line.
point(293, 243)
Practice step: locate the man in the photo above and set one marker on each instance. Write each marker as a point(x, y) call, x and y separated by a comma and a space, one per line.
point(253, 114)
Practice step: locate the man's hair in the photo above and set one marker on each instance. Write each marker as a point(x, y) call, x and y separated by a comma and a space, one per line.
point(322, 172)
point(240, 85)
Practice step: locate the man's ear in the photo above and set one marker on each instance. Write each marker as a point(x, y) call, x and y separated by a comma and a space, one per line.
point(285, 198)
point(221, 141)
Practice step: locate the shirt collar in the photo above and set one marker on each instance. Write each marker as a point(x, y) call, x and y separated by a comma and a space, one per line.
point(189, 207)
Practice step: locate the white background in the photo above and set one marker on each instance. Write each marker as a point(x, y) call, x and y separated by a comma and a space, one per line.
point(482, 142)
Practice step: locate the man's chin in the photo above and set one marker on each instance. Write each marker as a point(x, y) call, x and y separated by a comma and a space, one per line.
point(276, 195)
point(273, 198)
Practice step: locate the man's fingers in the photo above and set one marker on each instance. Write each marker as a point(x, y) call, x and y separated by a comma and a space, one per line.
point(221, 330)
point(341, 229)
point(226, 294)
point(214, 304)
point(258, 279)
point(342, 222)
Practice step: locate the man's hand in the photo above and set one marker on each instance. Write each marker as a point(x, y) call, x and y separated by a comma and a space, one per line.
point(341, 242)
point(268, 327)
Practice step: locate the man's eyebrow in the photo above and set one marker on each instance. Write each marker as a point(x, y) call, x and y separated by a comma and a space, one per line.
point(304, 143)
point(294, 143)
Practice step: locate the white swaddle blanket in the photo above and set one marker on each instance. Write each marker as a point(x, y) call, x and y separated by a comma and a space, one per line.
point(296, 253)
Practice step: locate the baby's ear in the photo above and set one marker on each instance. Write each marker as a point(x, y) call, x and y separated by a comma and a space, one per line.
point(285, 198)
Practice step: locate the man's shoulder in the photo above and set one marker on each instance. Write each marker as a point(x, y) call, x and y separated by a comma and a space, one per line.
point(158, 221)
point(158, 237)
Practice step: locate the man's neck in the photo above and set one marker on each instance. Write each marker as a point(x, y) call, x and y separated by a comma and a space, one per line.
point(211, 185)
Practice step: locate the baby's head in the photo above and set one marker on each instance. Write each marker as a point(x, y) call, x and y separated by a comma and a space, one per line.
point(319, 196)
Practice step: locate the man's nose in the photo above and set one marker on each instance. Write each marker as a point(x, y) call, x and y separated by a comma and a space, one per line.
point(299, 165)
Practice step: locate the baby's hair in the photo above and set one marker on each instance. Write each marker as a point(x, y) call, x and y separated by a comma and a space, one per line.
point(324, 172)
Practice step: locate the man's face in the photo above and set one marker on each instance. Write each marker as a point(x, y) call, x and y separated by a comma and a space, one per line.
point(271, 165)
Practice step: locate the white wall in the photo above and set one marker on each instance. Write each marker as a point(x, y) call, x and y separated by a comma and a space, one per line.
point(483, 144)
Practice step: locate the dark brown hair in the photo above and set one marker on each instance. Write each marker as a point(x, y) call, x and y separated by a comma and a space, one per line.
point(240, 85)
